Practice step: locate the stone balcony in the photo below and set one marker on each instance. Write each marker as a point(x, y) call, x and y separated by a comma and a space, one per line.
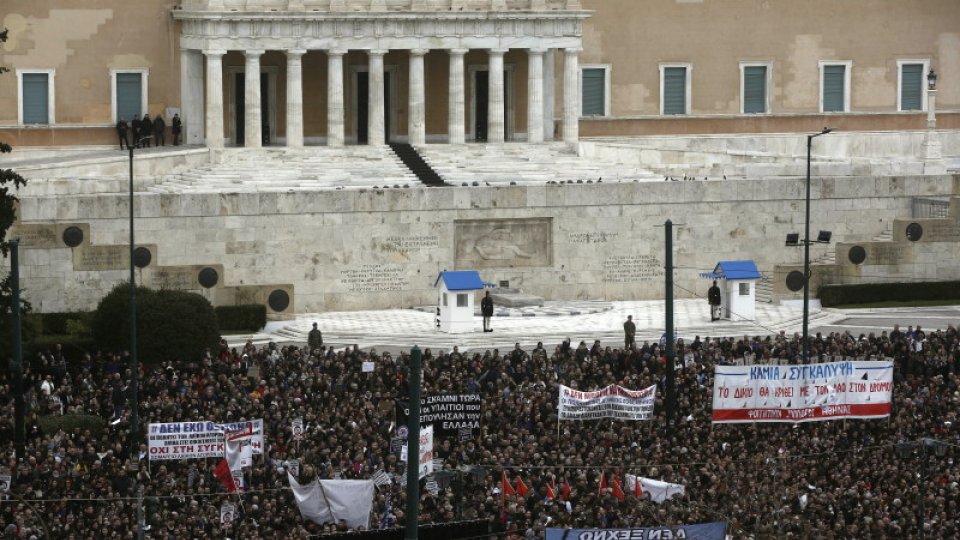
point(374, 6)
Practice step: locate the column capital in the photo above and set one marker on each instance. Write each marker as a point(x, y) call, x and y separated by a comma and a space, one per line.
point(294, 53)
point(573, 50)
point(377, 52)
point(214, 52)
point(253, 52)
point(419, 52)
point(536, 50)
point(457, 52)
point(499, 50)
point(336, 52)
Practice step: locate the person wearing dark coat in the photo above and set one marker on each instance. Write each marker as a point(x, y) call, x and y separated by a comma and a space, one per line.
point(160, 131)
point(137, 127)
point(486, 310)
point(122, 132)
point(177, 126)
point(146, 131)
point(714, 298)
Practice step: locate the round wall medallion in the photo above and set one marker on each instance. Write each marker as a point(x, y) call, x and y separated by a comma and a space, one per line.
point(914, 232)
point(73, 236)
point(279, 300)
point(142, 257)
point(857, 254)
point(208, 277)
point(795, 280)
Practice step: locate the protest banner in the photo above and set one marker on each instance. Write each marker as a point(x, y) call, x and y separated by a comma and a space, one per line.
point(297, 429)
point(367, 367)
point(449, 413)
point(426, 451)
point(227, 512)
point(5, 480)
point(191, 440)
point(807, 393)
point(614, 401)
point(716, 530)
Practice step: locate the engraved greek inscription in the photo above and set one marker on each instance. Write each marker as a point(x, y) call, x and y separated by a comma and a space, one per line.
point(631, 268)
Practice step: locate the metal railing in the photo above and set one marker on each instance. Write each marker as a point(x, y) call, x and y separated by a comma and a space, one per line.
point(923, 207)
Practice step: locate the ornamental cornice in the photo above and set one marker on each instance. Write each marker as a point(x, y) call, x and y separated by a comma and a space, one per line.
point(205, 25)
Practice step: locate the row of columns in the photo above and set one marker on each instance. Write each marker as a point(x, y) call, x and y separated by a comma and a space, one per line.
point(537, 106)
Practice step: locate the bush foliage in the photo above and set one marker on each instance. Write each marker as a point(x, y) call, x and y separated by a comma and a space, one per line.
point(863, 293)
point(242, 318)
point(171, 325)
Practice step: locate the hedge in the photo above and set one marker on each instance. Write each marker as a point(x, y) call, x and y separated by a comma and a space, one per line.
point(60, 323)
point(69, 422)
point(863, 293)
point(242, 318)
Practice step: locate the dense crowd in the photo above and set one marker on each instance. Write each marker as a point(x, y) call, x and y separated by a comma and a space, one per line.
point(840, 479)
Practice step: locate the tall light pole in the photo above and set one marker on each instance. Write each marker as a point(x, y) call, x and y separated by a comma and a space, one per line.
point(806, 254)
point(932, 152)
point(134, 367)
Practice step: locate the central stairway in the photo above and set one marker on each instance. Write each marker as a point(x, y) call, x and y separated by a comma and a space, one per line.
point(415, 162)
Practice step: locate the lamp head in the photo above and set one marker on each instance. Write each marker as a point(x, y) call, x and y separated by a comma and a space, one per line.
point(826, 130)
point(932, 80)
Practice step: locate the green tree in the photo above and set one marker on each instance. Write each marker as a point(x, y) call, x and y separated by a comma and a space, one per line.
point(8, 215)
point(171, 325)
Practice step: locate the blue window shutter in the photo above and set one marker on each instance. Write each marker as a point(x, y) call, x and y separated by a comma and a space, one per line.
point(675, 90)
point(593, 91)
point(36, 93)
point(911, 87)
point(834, 78)
point(129, 95)
point(755, 89)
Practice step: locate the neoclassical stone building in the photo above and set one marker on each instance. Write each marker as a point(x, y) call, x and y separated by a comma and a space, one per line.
point(294, 72)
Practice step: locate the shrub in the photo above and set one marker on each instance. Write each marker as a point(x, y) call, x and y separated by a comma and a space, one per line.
point(242, 318)
point(863, 293)
point(171, 325)
point(69, 422)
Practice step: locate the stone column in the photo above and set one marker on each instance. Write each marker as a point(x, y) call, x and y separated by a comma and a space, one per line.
point(571, 96)
point(416, 115)
point(535, 95)
point(375, 127)
point(455, 114)
point(295, 98)
point(495, 127)
point(214, 126)
point(191, 96)
point(335, 97)
point(548, 93)
point(252, 129)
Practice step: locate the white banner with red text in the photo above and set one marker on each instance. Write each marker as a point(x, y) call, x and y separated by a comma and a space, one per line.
point(190, 440)
point(807, 393)
point(614, 401)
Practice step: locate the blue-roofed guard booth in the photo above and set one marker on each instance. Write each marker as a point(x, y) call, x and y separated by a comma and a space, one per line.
point(456, 304)
point(738, 287)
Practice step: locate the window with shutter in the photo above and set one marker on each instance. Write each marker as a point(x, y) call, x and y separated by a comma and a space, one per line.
point(129, 95)
point(754, 89)
point(594, 92)
point(911, 87)
point(834, 88)
point(674, 90)
point(36, 97)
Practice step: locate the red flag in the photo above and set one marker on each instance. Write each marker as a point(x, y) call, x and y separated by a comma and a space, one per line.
point(506, 489)
point(522, 489)
point(551, 494)
point(565, 491)
point(603, 483)
point(618, 490)
point(222, 472)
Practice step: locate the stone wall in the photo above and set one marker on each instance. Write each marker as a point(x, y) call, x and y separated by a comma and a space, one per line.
point(364, 249)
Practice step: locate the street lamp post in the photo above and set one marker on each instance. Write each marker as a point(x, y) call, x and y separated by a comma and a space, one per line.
point(932, 151)
point(806, 253)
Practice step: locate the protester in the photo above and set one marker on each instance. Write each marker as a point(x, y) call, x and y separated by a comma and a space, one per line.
point(840, 479)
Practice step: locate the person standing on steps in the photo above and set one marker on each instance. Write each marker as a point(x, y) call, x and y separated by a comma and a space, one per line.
point(314, 338)
point(486, 310)
point(122, 133)
point(177, 127)
point(713, 297)
point(159, 131)
point(629, 332)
